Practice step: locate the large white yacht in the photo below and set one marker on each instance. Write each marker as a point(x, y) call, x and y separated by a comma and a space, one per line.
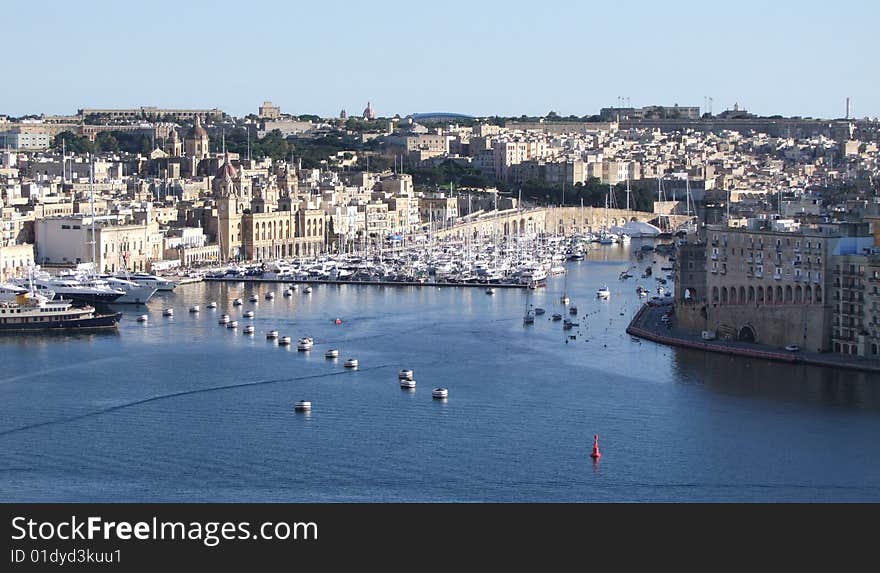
point(71, 288)
point(151, 280)
point(134, 293)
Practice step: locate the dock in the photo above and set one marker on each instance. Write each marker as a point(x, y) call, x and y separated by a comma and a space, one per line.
point(362, 283)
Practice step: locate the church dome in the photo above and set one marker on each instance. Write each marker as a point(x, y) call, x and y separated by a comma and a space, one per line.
point(198, 131)
point(227, 170)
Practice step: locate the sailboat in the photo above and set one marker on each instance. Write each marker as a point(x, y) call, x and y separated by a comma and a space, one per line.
point(564, 298)
point(529, 316)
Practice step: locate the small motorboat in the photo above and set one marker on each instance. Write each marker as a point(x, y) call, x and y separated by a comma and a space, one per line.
point(272, 335)
point(351, 363)
point(233, 324)
point(490, 290)
point(292, 288)
point(168, 312)
point(407, 384)
point(270, 295)
point(440, 393)
point(573, 310)
point(556, 316)
point(634, 339)
point(224, 319)
point(305, 343)
point(212, 305)
point(307, 290)
point(603, 292)
point(248, 314)
point(194, 308)
point(142, 318)
point(288, 292)
point(332, 353)
point(564, 299)
point(405, 374)
point(284, 341)
point(567, 324)
point(302, 405)
point(539, 311)
point(237, 302)
point(254, 298)
point(249, 329)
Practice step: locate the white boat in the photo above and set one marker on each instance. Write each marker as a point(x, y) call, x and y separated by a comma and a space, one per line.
point(288, 292)
point(490, 291)
point(272, 335)
point(305, 343)
point(194, 308)
point(307, 290)
point(142, 318)
point(405, 374)
point(603, 292)
point(351, 363)
point(332, 353)
point(529, 317)
point(233, 324)
point(270, 295)
point(284, 341)
point(407, 383)
point(564, 299)
point(71, 288)
point(440, 393)
point(224, 319)
point(248, 314)
point(249, 329)
point(254, 298)
point(237, 302)
point(150, 280)
point(212, 304)
point(168, 312)
point(302, 405)
point(135, 293)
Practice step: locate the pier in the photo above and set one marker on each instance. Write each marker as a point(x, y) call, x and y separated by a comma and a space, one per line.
point(363, 283)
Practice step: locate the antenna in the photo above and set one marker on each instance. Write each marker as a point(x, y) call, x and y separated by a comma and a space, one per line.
point(847, 107)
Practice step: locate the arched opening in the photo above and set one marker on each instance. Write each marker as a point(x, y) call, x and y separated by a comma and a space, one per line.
point(733, 299)
point(836, 347)
point(747, 334)
point(779, 295)
point(788, 294)
point(742, 295)
point(760, 295)
point(723, 295)
point(798, 294)
point(808, 294)
point(873, 349)
point(715, 295)
point(751, 294)
point(818, 294)
point(770, 298)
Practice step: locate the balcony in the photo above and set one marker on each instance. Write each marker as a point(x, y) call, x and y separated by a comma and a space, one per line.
point(759, 274)
point(777, 277)
point(714, 256)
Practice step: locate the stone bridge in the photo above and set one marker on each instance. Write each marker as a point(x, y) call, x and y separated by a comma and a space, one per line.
point(558, 220)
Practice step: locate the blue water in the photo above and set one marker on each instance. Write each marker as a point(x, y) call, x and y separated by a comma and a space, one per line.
point(182, 409)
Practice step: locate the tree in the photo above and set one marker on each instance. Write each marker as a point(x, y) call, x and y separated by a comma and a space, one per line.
point(106, 142)
point(73, 143)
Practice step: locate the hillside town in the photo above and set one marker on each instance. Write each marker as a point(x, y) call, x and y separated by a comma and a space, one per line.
point(157, 190)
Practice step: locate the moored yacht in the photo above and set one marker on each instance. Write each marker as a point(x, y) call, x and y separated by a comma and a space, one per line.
point(31, 312)
point(603, 292)
point(150, 280)
point(134, 293)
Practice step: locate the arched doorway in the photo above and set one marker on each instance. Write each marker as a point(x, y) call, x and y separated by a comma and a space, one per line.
point(747, 334)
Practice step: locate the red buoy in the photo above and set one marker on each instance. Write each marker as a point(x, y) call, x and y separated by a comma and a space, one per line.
point(338, 321)
point(596, 453)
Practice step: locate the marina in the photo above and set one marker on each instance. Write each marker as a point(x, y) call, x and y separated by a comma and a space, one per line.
point(512, 391)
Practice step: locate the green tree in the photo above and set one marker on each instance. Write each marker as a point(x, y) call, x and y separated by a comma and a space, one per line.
point(73, 143)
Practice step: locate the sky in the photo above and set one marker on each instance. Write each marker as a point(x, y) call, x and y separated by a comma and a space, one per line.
point(475, 57)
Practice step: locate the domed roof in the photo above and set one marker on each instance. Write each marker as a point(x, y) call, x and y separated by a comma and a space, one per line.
point(227, 169)
point(198, 131)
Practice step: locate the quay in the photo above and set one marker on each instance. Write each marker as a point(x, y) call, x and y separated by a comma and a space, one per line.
point(367, 283)
point(647, 324)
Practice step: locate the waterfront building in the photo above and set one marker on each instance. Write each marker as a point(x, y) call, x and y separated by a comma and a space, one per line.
point(765, 283)
point(146, 113)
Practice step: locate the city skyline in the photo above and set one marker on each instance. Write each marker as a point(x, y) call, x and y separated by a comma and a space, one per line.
point(474, 60)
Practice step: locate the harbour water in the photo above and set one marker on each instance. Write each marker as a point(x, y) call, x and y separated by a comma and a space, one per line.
point(183, 409)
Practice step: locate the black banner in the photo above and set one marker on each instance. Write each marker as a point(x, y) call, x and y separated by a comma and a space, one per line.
point(122, 537)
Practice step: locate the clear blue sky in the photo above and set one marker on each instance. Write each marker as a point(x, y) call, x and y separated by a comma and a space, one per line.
point(481, 58)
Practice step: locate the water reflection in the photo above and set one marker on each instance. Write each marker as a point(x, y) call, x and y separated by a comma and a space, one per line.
point(737, 376)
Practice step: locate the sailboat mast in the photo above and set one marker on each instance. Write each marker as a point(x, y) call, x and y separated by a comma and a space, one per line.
point(92, 206)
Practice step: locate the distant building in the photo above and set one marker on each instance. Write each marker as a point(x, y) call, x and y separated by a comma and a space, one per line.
point(131, 114)
point(369, 112)
point(269, 111)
